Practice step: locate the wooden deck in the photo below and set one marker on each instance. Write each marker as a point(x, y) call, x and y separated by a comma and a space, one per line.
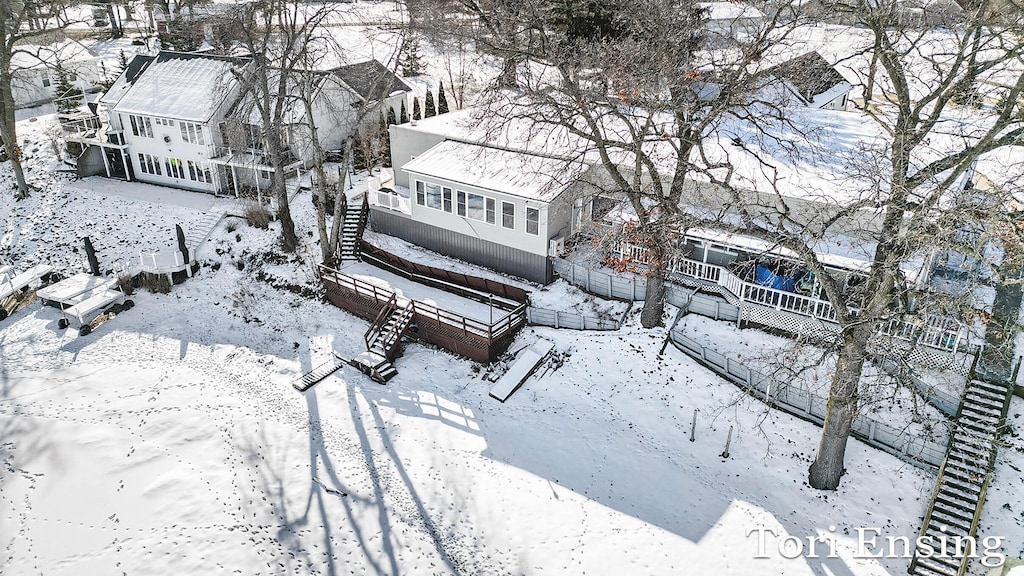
point(480, 340)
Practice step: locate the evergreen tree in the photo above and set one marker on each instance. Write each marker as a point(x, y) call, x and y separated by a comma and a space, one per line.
point(442, 102)
point(428, 108)
point(384, 142)
point(66, 95)
point(122, 63)
point(411, 64)
point(391, 116)
point(403, 116)
point(415, 108)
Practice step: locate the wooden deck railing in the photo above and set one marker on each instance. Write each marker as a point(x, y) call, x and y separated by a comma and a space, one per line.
point(514, 314)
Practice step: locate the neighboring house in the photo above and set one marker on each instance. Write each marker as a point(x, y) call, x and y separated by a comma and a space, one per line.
point(730, 20)
point(343, 100)
point(185, 120)
point(813, 82)
point(34, 77)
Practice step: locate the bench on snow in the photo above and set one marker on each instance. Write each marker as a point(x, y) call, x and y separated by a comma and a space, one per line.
point(525, 364)
point(12, 283)
point(84, 297)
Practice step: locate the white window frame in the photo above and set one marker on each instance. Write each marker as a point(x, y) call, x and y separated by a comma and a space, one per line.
point(508, 220)
point(535, 222)
point(192, 132)
point(141, 126)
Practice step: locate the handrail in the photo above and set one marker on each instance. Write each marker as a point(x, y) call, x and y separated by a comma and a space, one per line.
point(375, 327)
point(933, 333)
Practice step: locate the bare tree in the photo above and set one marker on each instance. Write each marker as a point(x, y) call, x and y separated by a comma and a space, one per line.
point(275, 33)
point(15, 18)
point(637, 89)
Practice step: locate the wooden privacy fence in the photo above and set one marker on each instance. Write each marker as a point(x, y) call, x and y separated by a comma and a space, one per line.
point(808, 406)
point(572, 320)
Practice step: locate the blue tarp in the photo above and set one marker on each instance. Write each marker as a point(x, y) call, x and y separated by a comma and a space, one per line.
point(765, 277)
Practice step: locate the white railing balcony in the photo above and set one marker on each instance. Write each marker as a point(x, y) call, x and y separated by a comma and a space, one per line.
point(939, 332)
point(391, 200)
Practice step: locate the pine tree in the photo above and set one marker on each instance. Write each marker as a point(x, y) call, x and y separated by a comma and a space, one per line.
point(411, 64)
point(415, 108)
point(429, 109)
point(384, 141)
point(442, 102)
point(391, 116)
point(403, 116)
point(66, 95)
point(122, 63)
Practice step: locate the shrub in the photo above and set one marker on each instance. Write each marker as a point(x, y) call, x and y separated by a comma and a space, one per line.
point(156, 283)
point(257, 216)
point(126, 283)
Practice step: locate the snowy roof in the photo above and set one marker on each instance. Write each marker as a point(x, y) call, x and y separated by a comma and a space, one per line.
point(371, 80)
point(29, 56)
point(812, 78)
point(514, 173)
point(729, 10)
point(127, 79)
point(182, 86)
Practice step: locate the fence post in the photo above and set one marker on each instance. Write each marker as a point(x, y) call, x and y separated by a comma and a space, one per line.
point(609, 286)
point(871, 431)
point(718, 305)
point(556, 318)
point(572, 273)
point(529, 315)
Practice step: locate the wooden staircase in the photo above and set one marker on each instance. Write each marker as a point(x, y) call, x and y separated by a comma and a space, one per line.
point(352, 230)
point(383, 341)
point(959, 492)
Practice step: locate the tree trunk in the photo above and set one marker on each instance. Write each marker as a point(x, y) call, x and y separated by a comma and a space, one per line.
point(654, 301)
point(9, 137)
point(288, 240)
point(827, 468)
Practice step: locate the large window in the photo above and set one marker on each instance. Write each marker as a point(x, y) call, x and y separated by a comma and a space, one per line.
point(141, 126)
point(149, 164)
point(199, 172)
point(433, 192)
point(192, 133)
point(175, 169)
point(532, 221)
point(475, 206)
point(508, 215)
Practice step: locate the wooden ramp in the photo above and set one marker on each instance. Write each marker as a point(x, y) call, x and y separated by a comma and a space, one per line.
point(526, 362)
point(307, 380)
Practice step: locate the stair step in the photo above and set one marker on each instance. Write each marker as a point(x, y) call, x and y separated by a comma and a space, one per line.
point(984, 402)
point(951, 521)
point(955, 502)
point(979, 413)
point(968, 466)
point(932, 566)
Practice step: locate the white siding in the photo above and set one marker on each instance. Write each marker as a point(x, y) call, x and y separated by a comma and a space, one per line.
point(515, 237)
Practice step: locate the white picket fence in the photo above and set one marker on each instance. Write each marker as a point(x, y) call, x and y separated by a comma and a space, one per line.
point(808, 406)
point(571, 320)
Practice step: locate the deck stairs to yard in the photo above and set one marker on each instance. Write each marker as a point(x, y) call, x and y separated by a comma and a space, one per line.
point(383, 340)
point(959, 492)
point(352, 230)
point(200, 232)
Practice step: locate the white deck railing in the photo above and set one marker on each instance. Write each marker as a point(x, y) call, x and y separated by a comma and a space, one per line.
point(939, 332)
point(391, 200)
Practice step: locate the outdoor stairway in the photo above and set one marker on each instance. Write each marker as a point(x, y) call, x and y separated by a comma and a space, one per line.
point(963, 478)
point(383, 341)
point(352, 230)
point(307, 380)
point(201, 231)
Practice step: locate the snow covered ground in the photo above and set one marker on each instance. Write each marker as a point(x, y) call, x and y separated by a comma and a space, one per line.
point(171, 441)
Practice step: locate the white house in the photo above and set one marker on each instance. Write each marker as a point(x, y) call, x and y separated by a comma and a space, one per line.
point(184, 120)
point(730, 20)
point(811, 81)
point(459, 194)
point(34, 76)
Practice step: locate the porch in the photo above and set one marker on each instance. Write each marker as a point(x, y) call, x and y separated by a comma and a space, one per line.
point(804, 313)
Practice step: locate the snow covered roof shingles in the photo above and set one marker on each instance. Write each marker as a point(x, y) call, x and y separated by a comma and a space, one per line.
point(513, 173)
point(371, 80)
point(182, 86)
